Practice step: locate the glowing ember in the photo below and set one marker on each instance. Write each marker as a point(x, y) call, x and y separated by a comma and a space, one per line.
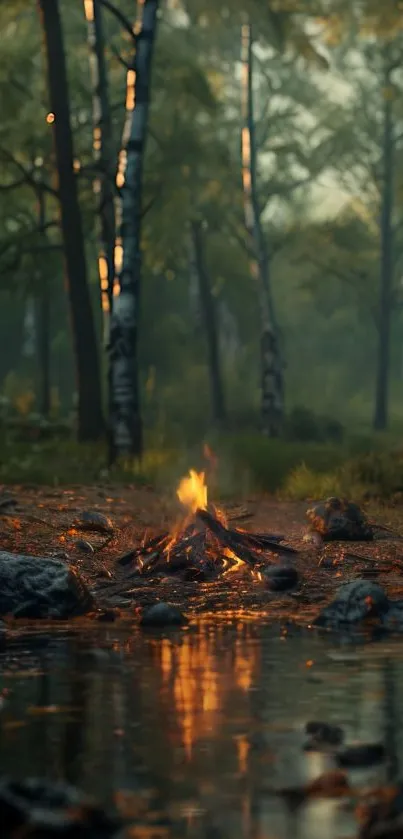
point(192, 491)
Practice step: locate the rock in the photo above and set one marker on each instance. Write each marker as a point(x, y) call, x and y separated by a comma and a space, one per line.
point(49, 810)
point(38, 587)
point(332, 784)
point(381, 814)
point(313, 538)
point(94, 521)
point(337, 518)
point(84, 546)
point(281, 577)
point(107, 615)
point(322, 735)
point(392, 620)
point(162, 614)
point(361, 756)
point(7, 503)
point(354, 602)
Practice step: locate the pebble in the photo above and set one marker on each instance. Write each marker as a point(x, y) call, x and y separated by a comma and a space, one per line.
point(162, 614)
point(84, 546)
point(94, 521)
point(322, 734)
point(52, 809)
point(281, 577)
point(361, 756)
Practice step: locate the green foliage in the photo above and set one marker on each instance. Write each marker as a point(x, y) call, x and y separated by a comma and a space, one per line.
point(377, 475)
point(305, 426)
point(321, 131)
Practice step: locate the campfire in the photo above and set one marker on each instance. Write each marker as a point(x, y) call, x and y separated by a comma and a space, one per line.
point(202, 546)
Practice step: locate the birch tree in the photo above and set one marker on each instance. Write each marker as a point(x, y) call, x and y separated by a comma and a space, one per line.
point(126, 437)
point(272, 385)
point(103, 154)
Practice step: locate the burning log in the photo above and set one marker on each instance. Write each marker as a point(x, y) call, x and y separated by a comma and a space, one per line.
point(243, 544)
point(205, 547)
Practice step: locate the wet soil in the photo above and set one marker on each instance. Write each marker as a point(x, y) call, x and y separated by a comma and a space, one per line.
point(43, 524)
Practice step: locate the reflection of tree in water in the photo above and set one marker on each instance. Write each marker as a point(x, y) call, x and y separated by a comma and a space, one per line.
point(204, 721)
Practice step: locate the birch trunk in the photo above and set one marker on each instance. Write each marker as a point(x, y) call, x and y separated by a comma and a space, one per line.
point(386, 266)
point(210, 323)
point(272, 385)
point(103, 155)
point(125, 414)
point(90, 419)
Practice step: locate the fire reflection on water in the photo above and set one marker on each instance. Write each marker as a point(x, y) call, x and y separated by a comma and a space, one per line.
point(198, 677)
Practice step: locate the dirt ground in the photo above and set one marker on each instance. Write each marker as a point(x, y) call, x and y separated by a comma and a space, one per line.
point(43, 524)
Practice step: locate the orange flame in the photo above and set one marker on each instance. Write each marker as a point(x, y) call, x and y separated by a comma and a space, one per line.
point(192, 491)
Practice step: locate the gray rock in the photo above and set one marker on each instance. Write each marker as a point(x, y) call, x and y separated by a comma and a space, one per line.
point(94, 521)
point(281, 577)
point(392, 620)
point(162, 614)
point(50, 810)
point(39, 587)
point(322, 735)
point(337, 518)
point(354, 602)
point(361, 756)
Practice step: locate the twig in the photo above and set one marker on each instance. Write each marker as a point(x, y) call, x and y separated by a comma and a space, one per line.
point(123, 20)
point(29, 176)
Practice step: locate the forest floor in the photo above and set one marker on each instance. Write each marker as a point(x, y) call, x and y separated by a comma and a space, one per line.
point(43, 524)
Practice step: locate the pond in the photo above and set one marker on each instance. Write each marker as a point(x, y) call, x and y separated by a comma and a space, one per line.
point(196, 728)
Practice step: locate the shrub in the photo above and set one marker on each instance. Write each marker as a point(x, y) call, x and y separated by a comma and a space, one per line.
point(305, 426)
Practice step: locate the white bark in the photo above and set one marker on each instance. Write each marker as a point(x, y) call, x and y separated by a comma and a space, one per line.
point(102, 152)
point(125, 419)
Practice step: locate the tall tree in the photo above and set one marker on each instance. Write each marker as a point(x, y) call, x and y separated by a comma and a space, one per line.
point(90, 417)
point(43, 319)
point(103, 154)
point(272, 385)
point(126, 437)
point(387, 258)
point(198, 258)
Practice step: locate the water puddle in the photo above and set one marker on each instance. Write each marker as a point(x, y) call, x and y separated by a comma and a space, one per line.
point(199, 725)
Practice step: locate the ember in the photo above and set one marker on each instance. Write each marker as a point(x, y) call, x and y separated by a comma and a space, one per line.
point(202, 547)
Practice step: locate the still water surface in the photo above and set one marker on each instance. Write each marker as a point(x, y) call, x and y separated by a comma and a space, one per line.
point(199, 724)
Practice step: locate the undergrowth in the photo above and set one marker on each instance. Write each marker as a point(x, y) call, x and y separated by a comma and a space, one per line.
point(360, 466)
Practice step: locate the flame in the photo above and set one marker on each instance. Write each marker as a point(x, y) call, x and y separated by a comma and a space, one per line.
point(192, 491)
point(235, 559)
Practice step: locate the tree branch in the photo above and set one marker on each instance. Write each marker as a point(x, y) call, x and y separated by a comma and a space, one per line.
point(28, 176)
point(123, 20)
point(13, 184)
point(115, 52)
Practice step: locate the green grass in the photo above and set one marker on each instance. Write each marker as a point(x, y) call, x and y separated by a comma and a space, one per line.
point(362, 466)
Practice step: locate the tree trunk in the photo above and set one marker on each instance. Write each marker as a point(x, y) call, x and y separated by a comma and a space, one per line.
point(125, 415)
point(272, 385)
point(210, 323)
point(42, 318)
point(90, 419)
point(386, 265)
point(103, 155)
point(43, 347)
